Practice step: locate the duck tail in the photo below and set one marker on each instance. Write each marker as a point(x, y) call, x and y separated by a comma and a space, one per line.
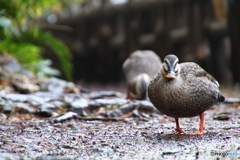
point(221, 98)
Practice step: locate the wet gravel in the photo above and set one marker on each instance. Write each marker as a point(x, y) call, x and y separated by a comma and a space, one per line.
point(133, 138)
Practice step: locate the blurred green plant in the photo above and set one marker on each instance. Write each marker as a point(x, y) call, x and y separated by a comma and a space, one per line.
point(23, 39)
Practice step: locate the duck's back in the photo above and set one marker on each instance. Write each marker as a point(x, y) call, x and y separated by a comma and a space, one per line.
point(145, 61)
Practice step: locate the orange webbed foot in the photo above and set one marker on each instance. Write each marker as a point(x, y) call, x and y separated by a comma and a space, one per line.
point(195, 133)
point(179, 131)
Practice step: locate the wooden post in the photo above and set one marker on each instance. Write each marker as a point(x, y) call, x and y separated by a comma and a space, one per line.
point(234, 32)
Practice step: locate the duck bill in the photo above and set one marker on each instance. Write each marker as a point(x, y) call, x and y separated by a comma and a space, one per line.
point(170, 76)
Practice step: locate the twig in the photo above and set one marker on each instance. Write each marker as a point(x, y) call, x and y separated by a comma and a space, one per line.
point(100, 118)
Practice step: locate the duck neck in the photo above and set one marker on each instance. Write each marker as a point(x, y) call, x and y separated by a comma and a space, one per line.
point(173, 83)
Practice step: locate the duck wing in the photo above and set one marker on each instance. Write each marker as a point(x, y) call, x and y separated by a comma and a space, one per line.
point(193, 69)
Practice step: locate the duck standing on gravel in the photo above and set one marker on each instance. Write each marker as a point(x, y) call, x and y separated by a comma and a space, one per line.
point(183, 90)
point(139, 68)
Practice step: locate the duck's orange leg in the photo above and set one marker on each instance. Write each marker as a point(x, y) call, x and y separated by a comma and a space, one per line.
point(201, 126)
point(128, 96)
point(178, 129)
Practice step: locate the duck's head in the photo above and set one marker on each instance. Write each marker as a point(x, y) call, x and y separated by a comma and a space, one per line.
point(170, 67)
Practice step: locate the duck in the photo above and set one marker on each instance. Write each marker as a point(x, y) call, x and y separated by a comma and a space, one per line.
point(139, 68)
point(183, 90)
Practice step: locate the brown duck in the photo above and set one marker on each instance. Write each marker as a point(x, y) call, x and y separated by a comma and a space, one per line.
point(183, 90)
point(139, 68)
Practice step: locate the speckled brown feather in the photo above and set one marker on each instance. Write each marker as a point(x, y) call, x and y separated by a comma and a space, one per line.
point(190, 94)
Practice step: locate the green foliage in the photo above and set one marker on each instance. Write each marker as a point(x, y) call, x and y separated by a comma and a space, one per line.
point(61, 50)
point(26, 53)
point(21, 38)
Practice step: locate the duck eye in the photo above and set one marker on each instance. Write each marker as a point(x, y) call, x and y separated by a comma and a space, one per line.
point(176, 67)
point(165, 70)
point(175, 64)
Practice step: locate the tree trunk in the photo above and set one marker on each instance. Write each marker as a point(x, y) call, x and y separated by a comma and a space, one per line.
point(234, 32)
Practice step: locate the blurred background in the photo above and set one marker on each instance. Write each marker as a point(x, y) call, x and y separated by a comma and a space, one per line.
point(88, 40)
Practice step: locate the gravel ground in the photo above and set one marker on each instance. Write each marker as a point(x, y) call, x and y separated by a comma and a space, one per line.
point(131, 138)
